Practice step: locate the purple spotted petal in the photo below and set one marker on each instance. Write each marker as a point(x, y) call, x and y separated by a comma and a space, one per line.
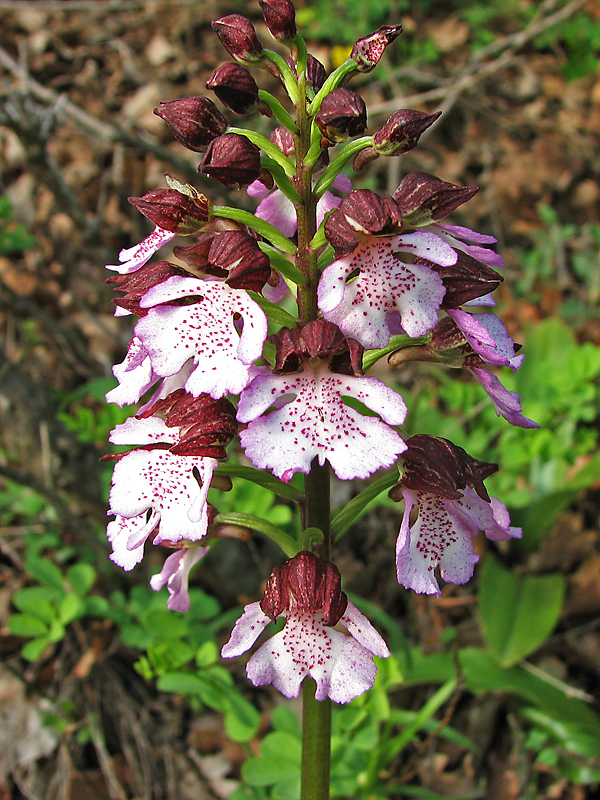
point(341, 665)
point(204, 331)
point(134, 374)
point(311, 420)
point(437, 538)
point(132, 258)
point(165, 485)
point(488, 337)
point(506, 403)
point(144, 431)
point(246, 631)
point(175, 574)
point(384, 285)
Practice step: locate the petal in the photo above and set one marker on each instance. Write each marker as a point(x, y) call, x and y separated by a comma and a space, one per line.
point(132, 258)
point(122, 531)
point(311, 420)
point(204, 331)
point(165, 483)
point(506, 403)
point(143, 431)
point(340, 666)
point(384, 284)
point(437, 537)
point(246, 631)
point(175, 574)
point(279, 211)
point(360, 628)
point(134, 374)
point(502, 529)
point(488, 337)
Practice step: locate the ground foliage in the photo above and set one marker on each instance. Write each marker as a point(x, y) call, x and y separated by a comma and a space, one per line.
point(79, 81)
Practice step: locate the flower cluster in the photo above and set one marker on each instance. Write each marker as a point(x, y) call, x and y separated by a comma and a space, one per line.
point(368, 272)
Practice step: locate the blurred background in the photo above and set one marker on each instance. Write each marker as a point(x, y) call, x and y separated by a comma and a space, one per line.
point(103, 692)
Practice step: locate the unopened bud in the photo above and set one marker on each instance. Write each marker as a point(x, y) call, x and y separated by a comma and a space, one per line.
point(466, 280)
point(402, 131)
point(367, 52)
point(235, 87)
point(423, 198)
point(315, 71)
point(238, 37)
point(342, 114)
point(284, 140)
point(174, 211)
point(280, 19)
point(232, 159)
point(194, 121)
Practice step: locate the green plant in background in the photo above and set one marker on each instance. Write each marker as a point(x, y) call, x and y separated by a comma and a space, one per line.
point(14, 237)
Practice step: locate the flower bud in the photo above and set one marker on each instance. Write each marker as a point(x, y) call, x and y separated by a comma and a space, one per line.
point(235, 87)
point(284, 140)
point(173, 211)
point(232, 159)
point(360, 214)
point(238, 37)
point(423, 198)
point(280, 19)
point(194, 121)
point(343, 113)
point(307, 584)
point(315, 71)
point(317, 339)
point(402, 131)
point(367, 52)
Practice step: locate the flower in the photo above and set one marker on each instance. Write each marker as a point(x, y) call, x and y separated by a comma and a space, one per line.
point(437, 477)
point(384, 285)
point(165, 485)
point(307, 592)
point(204, 331)
point(175, 574)
point(507, 404)
point(310, 419)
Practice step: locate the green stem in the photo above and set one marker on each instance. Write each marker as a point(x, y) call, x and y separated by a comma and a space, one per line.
point(316, 714)
point(316, 736)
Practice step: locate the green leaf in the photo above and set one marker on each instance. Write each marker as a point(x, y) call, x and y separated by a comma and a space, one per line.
point(34, 605)
point(345, 518)
point(81, 577)
point(207, 654)
point(518, 612)
point(34, 649)
point(163, 623)
point(241, 718)
point(26, 625)
point(44, 571)
point(166, 655)
point(282, 264)
point(279, 761)
point(261, 478)
point(71, 607)
point(265, 229)
point(273, 312)
point(287, 544)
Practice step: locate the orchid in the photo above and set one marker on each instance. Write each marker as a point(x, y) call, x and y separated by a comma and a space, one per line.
point(341, 663)
point(204, 331)
point(361, 267)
